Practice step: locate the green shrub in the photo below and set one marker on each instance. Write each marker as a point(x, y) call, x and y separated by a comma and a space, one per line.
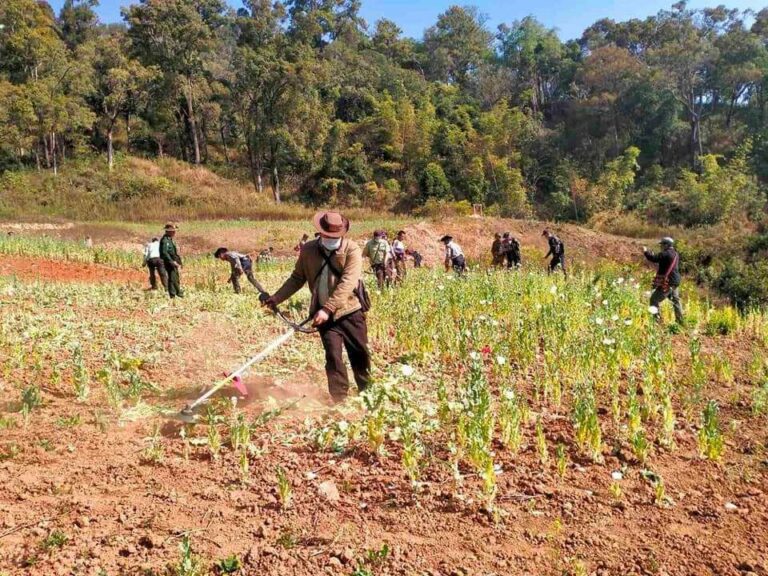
point(722, 321)
point(746, 285)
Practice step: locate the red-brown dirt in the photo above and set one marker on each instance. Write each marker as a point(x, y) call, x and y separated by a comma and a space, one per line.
point(124, 515)
point(62, 271)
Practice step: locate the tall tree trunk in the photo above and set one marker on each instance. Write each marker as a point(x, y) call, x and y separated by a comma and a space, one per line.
point(53, 154)
point(47, 152)
point(254, 168)
point(276, 184)
point(160, 153)
point(224, 143)
point(110, 149)
point(127, 131)
point(192, 124)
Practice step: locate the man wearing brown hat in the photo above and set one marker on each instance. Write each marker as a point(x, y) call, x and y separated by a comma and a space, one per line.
point(169, 252)
point(332, 266)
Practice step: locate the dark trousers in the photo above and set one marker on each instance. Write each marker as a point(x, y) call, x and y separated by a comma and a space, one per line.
point(459, 265)
point(380, 271)
point(513, 259)
point(350, 332)
point(673, 295)
point(557, 261)
point(174, 281)
point(248, 271)
point(157, 268)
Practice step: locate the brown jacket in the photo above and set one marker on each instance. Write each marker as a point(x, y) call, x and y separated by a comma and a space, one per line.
point(342, 300)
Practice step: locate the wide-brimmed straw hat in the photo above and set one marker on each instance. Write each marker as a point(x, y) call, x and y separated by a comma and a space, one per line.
point(331, 224)
point(446, 238)
point(171, 227)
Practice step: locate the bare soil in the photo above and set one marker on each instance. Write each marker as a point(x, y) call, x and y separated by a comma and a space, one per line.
point(62, 271)
point(124, 515)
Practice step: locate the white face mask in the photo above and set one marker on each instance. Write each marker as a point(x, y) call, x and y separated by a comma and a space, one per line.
point(331, 243)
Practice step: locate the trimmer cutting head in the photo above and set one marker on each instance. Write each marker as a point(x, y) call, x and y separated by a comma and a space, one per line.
point(187, 415)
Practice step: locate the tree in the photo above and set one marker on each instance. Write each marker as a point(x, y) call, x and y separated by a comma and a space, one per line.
point(434, 183)
point(684, 58)
point(177, 36)
point(457, 46)
point(535, 54)
point(116, 80)
point(78, 21)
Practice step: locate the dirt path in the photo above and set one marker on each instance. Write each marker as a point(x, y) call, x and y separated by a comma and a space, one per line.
point(63, 271)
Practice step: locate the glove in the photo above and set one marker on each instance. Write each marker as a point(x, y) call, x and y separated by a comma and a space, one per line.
point(267, 300)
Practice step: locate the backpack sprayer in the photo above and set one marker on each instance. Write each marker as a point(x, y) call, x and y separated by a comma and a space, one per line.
point(188, 415)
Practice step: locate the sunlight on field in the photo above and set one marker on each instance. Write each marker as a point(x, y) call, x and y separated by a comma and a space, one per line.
point(476, 378)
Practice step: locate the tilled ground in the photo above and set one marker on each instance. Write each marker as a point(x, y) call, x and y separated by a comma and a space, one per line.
point(122, 514)
point(118, 512)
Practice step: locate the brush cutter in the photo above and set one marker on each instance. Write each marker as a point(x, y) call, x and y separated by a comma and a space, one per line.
point(188, 413)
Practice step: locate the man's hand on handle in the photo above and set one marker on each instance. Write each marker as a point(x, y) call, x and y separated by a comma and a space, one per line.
point(321, 317)
point(267, 300)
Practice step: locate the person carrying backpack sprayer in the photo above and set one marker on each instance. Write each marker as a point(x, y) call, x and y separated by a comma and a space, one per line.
point(454, 256)
point(332, 267)
point(155, 264)
point(557, 251)
point(239, 264)
point(666, 283)
point(377, 251)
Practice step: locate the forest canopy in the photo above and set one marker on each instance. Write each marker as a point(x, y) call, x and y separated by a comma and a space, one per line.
point(665, 116)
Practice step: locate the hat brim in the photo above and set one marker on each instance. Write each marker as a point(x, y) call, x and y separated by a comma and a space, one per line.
point(319, 227)
point(446, 238)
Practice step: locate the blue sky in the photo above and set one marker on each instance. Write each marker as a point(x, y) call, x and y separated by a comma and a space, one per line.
point(570, 17)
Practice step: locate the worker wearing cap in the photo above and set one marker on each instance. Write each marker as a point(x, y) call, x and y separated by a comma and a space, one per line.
point(557, 251)
point(169, 253)
point(155, 264)
point(332, 267)
point(240, 264)
point(377, 250)
point(454, 256)
point(666, 284)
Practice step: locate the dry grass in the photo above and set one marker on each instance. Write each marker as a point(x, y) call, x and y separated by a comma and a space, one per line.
point(140, 190)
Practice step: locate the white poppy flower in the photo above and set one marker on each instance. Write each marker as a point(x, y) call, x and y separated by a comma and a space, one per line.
point(653, 310)
point(605, 302)
point(609, 341)
point(474, 355)
point(628, 322)
point(614, 317)
point(617, 476)
point(406, 370)
point(501, 360)
point(553, 289)
point(599, 321)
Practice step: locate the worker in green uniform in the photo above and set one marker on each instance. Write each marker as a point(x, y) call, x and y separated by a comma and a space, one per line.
point(169, 252)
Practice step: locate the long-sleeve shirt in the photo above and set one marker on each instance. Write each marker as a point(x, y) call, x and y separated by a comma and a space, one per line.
point(152, 250)
point(665, 259)
point(235, 260)
point(169, 252)
point(452, 250)
point(310, 269)
point(398, 248)
point(556, 247)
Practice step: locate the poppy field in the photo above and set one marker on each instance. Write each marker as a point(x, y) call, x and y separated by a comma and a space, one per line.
point(519, 423)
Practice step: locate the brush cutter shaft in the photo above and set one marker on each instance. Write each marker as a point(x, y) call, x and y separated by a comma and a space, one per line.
point(274, 345)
